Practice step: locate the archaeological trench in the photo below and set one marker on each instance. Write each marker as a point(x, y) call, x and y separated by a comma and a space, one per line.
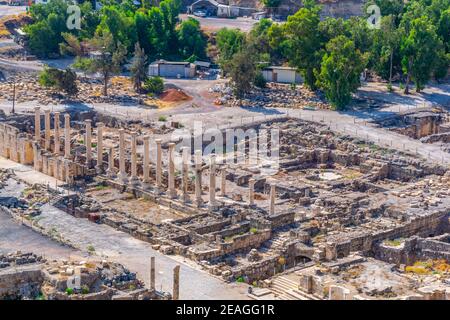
point(338, 213)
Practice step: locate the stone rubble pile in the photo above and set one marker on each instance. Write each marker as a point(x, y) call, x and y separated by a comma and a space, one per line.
point(273, 96)
point(89, 91)
point(18, 258)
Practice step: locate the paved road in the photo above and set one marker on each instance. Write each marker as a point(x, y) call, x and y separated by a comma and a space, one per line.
point(214, 23)
point(14, 236)
point(10, 10)
point(135, 255)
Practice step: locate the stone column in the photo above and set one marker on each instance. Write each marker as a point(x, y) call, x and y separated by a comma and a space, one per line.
point(44, 164)
point(47, 129)
point(223, 181)
point(122, 171)
point(68, 170)
point(134, 179)
point(88, 141)
point(146, 164)
point(111, 170)
point(158, 165)
point(37, 124)
point(99, 147)
point(198, 178)
point(212, 182)
point(56, 169)
point(185, 169)
point(172, 191)
point(152, 273)
point(176, 283)
point(56, 125)
point(36, 156)
point(67, 135)
point(272, 199)
point(251, 196)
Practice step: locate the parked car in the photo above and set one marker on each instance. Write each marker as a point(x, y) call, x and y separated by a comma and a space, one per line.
point(200, 13)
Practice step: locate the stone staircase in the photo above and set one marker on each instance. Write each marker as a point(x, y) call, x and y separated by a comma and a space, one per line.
point(287, 289)
point(274, 243)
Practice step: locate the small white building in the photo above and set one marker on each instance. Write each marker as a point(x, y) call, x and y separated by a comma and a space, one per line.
point(172, 69)
point(281, 75)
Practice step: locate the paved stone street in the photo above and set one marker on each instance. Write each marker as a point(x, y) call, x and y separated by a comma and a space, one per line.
point(108, 243)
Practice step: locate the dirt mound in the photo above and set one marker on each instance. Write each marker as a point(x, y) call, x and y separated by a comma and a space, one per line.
point(8, 23)
point(174, 95)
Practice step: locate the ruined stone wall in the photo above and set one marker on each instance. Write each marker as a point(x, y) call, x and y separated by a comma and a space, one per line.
point(20, 283)
point(281, 219)
point(258, 270)
point(413, 249)
point(425, 225)
point(245, 241)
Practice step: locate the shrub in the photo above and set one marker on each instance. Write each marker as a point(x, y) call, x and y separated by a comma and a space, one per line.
point(240, 279)
point(69, 291)
point(64, 80)
point(162, 118)
point(389, 87)
point(47, 78)
point(85, 289)
point(253, 230)
point(259, 81)
point(154, 85)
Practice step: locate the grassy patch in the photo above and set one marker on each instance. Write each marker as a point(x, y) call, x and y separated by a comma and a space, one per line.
point(393, 243)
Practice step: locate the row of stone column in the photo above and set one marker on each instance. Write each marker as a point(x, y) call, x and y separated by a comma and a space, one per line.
point(171, 190)
point(47, 131)
point(14, 145)
point(133, 179)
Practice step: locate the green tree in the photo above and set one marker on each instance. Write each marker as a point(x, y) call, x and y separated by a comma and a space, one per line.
point(359, 32)
point(388, 39)
point(441, 66)
point(45, 35)
point(340, 71)
point(242, 71)
point(191, 40)
point(139, 67)
point(229, 42)
point(303, 43)
point(420, 52)
point(271, 4)
point(387, 7)
point(331, 28)
point(108, 58)
point(444, 29)
point(121, 26)
point(170, 10)
point(71, 45)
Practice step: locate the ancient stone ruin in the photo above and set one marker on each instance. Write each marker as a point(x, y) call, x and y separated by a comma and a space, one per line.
point(332, 203)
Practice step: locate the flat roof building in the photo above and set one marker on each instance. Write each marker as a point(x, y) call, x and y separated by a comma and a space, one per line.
point(172, 69)
point(281, 74)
